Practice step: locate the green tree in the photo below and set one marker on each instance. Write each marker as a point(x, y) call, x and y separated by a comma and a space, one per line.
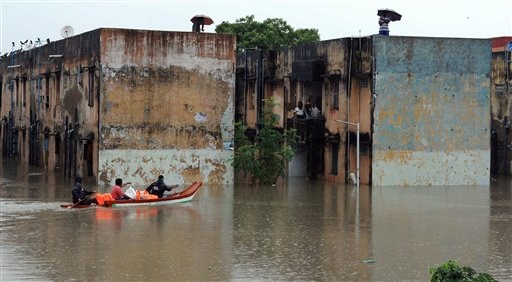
point(450, 271)
point(272, 33)
point(266, 158)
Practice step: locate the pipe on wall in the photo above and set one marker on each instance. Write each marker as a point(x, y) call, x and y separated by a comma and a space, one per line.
point(349, 94)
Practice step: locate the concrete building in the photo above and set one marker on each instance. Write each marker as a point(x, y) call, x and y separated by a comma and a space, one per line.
point(134, 104)
point(423, 106)
point(122, 103)
point(501, 106)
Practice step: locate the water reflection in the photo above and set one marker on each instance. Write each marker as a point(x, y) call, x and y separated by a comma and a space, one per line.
point(298, 230)
point(304, 231)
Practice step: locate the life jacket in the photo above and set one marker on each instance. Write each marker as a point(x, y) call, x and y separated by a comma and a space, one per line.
point(101, 198)
point(143, 195)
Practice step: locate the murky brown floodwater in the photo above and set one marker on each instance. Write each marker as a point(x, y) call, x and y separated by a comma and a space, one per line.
point(296, 231)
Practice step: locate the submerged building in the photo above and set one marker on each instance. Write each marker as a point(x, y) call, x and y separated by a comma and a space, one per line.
point(122, 103)
point(136, 103)
point(422, 106)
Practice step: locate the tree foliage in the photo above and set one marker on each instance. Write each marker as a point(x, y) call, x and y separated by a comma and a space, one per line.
point(272, 149)
point(272, 33)
point(450, 271)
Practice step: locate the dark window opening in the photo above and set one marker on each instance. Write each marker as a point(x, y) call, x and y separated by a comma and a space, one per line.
point(17, 91)
point(91, 86)
point(335, 89)
point(24, 93)
point(57, 144)
point(1, 93)
point(88, 157)
point(57, 88)
point(89, 167)
point(79, 77)
point(251, 88)
point(47, 92)
point(334, 166)
point(293, 93)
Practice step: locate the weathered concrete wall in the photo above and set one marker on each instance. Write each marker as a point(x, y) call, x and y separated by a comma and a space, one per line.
point(54, 104)
point(431, 115)
point(166, 106)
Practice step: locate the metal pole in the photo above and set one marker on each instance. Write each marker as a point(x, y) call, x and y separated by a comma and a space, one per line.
point(357, 148)
point(357, 159)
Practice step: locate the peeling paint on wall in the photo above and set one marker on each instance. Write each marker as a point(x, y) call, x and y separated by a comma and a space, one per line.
point(431, 114)
point(155, 84)
point(415, 168)
point(142, 167)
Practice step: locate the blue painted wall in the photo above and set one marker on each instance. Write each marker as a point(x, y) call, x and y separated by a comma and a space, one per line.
point(431, 111)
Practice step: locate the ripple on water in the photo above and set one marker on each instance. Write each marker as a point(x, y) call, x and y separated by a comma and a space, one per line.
point(15, 210)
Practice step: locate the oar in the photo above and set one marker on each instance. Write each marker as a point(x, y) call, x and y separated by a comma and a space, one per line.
point(79, 202)
point(175, 193)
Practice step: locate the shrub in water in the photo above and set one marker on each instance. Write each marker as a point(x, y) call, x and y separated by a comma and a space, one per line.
point(451, 271)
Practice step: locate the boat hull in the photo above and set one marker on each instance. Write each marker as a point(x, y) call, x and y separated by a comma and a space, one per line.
point(183, 196)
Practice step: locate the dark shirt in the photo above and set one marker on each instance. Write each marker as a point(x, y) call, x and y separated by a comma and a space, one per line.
point(79, 193)
point(158, 188)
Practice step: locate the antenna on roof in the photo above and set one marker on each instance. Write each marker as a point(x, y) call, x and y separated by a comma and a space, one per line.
point(67, 31)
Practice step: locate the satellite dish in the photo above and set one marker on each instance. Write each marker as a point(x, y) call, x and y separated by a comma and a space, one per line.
point(67, 31)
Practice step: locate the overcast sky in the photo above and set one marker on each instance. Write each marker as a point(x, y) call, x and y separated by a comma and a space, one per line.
point(32, 19)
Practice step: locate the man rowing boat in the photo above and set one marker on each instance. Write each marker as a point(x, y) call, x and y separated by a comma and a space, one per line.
point(159, 187)
point(80, 195)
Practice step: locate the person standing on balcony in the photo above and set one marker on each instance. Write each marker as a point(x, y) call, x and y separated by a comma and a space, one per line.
point(299, 111)
point(315, 112)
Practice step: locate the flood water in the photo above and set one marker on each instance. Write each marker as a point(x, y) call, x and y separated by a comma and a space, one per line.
point(297, 231)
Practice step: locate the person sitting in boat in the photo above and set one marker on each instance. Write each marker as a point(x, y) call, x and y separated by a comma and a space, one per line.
point(159, 187)
point(117, 190)
point(80, 195)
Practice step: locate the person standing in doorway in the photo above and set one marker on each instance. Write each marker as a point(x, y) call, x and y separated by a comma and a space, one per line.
point(307, 110)
point(315, 112)
point(299, 110)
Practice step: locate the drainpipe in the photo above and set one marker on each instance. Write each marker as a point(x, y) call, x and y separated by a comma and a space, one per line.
point(245, 87)
point(508, 147)
point(349, 95)
point(260, 92)
point(12, 67)
point(257, 71)
point(263, 62)
point(98, 140)
point(246, 108)
point(357, 125)
point(11, 113)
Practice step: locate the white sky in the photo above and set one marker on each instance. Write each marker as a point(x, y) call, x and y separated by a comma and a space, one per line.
point(30, 19)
